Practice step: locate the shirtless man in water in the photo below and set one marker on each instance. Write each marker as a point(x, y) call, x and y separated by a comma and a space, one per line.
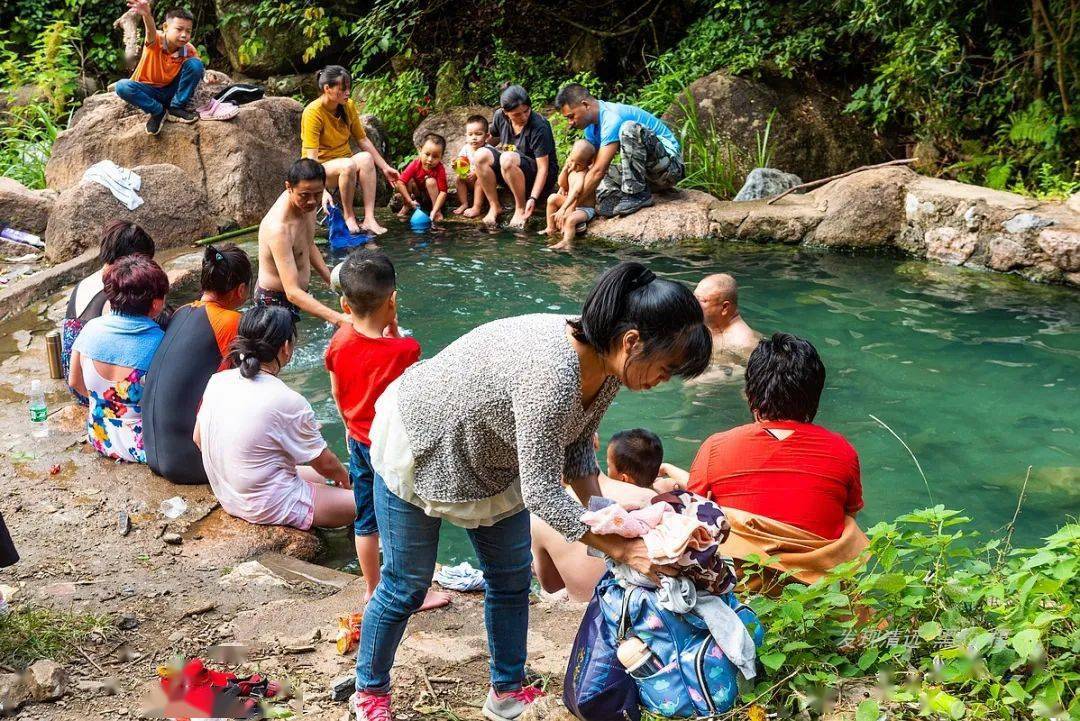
point(733, 339)
point(287, 250)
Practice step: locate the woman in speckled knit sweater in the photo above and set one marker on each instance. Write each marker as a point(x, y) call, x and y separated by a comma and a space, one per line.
point(484, 433)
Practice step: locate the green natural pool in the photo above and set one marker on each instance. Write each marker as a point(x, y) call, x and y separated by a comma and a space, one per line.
point(978, 373)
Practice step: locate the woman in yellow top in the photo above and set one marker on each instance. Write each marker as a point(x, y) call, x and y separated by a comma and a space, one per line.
point(328, 124)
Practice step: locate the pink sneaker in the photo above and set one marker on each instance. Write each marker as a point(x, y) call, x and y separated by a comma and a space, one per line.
point(372, 706)
point(510, 705)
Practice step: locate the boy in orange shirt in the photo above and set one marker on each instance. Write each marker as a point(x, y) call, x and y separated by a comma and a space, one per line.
point(168, 71)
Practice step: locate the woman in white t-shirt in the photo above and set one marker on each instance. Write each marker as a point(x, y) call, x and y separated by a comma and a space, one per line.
point(261, 447)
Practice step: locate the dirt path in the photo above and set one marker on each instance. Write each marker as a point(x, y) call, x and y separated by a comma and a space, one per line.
point(62, 503)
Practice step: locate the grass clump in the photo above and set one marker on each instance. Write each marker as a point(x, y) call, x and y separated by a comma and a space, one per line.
point(30, 633)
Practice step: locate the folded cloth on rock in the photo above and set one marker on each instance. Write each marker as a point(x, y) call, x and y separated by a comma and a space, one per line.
point(614, 519)
point(679, 595)
point(217, 110)
point(806, 556)
point(462, 577)
point(124, 184)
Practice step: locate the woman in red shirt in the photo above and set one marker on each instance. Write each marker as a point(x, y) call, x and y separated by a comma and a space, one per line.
point(783, 466)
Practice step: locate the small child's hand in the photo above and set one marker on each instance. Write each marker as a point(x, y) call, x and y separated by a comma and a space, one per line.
point(437, 217)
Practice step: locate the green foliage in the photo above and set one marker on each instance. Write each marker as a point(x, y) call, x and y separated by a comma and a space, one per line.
point(945, 627)
point(956, 73)
point(541, 75)
point(261, 24)
point(31, 123)
point(713, 162)
point(25, 143)
point(400, 102)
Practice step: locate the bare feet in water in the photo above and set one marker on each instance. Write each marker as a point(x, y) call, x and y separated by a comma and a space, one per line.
point(372, 226)
point(561, 245)
point(518, 221)
point(471, 212)
point(352, 225)
point(491, 219)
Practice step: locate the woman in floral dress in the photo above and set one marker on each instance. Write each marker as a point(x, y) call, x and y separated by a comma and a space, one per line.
point(112, 354)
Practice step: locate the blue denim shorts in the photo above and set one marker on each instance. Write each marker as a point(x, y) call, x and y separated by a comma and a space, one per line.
point(362, 476)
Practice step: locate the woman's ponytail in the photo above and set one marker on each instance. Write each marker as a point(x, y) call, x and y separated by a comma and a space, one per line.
point(224, 267)
point(262, 333)
point(666, 315)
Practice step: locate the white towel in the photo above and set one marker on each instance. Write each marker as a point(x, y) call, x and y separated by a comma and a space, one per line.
point(124, 184)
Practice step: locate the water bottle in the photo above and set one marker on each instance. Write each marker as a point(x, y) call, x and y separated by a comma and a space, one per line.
point(39, 413)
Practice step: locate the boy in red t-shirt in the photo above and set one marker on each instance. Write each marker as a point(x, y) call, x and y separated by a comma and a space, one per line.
point(423, 181)
point(364, 357)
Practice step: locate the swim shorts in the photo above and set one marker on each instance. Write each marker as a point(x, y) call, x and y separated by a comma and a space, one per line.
point(265, 297)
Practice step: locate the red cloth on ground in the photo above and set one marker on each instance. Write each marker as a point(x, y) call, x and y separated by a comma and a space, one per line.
point(810, 480)
point(416, 171)
point(363, 367)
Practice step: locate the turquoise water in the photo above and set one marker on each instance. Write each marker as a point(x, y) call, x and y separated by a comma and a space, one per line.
point(976, 372)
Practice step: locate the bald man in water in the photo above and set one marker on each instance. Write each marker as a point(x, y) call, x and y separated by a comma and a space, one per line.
point(733, 339)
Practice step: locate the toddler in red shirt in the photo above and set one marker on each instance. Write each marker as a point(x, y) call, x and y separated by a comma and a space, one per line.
point(423, 181)
point(364, 357)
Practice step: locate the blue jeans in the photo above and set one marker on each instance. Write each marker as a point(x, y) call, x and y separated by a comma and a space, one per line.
point(362, 476)
point(410, 540)
point(154, 100)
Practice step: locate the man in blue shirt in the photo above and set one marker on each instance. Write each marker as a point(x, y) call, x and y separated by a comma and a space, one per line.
point(651, 158)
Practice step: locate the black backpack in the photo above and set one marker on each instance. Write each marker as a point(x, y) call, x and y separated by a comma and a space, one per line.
point(240, 93)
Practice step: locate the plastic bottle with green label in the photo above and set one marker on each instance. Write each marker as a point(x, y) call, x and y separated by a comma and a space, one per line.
point(39, 412)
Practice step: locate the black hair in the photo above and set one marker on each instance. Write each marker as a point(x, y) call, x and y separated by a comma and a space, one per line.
point(433, 138)
point(367, 279)
point(784, 379)
point(181, 13)
point(121, 238)
point(477, 119)
point(666, 315)
point(133, 283)
point(332, 75)
point(638, 453)
point(571, 95)
point(306, 169)
point(263, 330)
point(224, 267)
point(513, 96)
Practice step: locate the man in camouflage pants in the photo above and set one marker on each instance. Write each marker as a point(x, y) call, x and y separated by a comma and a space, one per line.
point(650, 155)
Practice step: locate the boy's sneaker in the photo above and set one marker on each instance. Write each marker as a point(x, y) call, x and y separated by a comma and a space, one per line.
point(510, 705)
point(372, 706)
point(153, 124)
point(634, 203)
point(182, 115)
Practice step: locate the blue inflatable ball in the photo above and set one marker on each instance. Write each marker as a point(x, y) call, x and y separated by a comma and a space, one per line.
point(420, 220)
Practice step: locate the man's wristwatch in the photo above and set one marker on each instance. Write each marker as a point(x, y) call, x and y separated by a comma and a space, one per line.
point(533, 198)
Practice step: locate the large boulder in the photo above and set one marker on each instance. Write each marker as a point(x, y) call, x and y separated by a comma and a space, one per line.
point(863, 210)
point(679, 216)
point(174, 212)
point(239, 165)
point(25, 209)
point(811, 136)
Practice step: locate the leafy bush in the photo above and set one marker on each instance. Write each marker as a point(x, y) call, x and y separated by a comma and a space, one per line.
point(943, 627)
point(713, 162)
point(400, 102)
point(31, 124)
